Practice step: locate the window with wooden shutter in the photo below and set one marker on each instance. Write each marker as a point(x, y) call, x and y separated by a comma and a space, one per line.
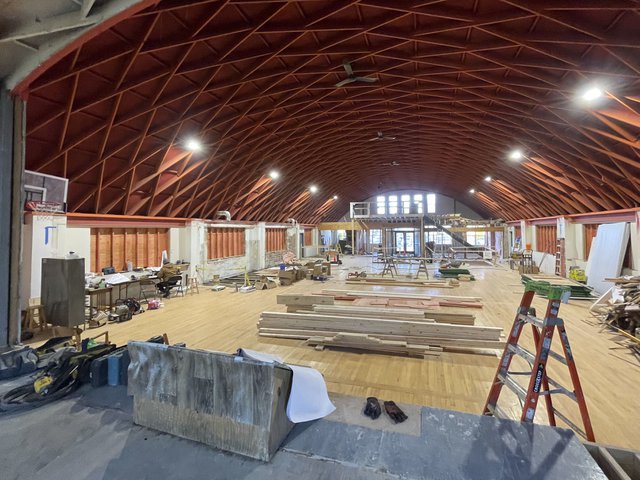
point(546, 239)
point(114, 247)
point(225, 242)
point(276, 239)
point(308, 237)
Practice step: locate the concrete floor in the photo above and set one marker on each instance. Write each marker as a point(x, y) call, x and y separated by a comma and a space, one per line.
point(90, 435)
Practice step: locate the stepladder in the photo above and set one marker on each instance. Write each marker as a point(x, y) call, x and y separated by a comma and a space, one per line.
point(539, 382)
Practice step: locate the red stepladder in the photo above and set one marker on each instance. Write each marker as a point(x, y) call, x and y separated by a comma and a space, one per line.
point(539, 381)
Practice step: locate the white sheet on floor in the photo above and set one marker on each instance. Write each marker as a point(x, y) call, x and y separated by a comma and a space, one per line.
point(309, 399)
point(607, 255)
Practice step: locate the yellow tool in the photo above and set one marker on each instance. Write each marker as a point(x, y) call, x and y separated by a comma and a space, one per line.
point(577, 274)
point(42, 383)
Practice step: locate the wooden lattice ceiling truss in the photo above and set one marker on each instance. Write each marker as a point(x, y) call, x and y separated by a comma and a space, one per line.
point(459, 84)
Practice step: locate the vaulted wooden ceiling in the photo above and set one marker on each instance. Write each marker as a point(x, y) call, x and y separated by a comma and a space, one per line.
point(459, 84)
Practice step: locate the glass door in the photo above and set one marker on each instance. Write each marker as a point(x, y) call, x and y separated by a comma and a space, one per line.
point(404, 243)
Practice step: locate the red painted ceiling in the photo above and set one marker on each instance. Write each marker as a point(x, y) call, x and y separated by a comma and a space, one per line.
point(459, 84)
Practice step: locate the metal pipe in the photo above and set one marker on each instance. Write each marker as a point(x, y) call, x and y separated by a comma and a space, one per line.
point(224, 213)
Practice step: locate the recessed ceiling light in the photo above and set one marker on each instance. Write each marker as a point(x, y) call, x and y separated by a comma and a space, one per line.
point(591, 94)
point(193, 145)
point(472, 191)
point(313, 189)
point(516, 155)
point(335, 197)
point(274, 174)
point(487, 178)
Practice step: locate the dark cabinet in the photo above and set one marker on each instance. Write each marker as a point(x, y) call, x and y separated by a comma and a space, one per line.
point(62, 291)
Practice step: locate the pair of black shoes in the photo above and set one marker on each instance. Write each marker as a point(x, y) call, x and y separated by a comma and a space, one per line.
point(372, 409)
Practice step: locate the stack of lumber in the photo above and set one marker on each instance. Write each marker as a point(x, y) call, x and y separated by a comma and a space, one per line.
point(578, 290)
point(399, 309)
point(400, 282)
point(296, 302)
point(411, 331)
point(418, 336)
point(400, 298)
point(397, 313)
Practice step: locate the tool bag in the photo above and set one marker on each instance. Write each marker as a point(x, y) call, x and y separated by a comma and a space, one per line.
point(17, 362)
point(133, 305)
point(121, 313)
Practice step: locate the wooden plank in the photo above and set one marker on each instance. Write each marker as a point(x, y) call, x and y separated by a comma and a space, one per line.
point(399, 283)
point(399, 313)
point(359, 293)
point(377, 325)
point(370, 311)
point(304, 300)
point(302, 334)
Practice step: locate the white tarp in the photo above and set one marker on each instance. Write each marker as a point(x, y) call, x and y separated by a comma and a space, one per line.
point(607, 255)
point(309, 399)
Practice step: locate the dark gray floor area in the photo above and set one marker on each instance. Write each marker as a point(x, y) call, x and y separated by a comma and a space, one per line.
point(91, 436)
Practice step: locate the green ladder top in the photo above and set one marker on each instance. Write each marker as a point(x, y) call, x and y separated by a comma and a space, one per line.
point(552, 292)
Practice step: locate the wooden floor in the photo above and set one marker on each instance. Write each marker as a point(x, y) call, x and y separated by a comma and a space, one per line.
point(226, 320)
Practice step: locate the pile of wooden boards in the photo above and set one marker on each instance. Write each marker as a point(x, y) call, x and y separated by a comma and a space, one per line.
point(322, 322)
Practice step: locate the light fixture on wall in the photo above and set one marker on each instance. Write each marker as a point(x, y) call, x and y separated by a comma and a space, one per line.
point(472, 191)
point(313, 189)
point(193, 144)
point(274, 174)
point(488, 178)
point(335, 197)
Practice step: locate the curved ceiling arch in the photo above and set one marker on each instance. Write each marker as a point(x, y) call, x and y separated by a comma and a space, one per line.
point(458, 83)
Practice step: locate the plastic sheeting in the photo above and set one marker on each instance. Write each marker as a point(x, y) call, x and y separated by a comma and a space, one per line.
point(309, 399)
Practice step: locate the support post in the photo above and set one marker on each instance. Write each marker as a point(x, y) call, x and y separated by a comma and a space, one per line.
point(11, 168)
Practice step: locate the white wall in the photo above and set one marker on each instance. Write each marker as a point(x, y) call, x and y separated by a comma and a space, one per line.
point(79, 241)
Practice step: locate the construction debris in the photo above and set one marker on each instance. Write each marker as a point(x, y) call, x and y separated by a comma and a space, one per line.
point(620, 306)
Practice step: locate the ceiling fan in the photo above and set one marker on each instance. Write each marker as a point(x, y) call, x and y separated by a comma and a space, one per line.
point(391, 164)
point(352, 77)
point(380, 136)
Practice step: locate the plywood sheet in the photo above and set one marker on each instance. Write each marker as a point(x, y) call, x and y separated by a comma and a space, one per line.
point(607, 255)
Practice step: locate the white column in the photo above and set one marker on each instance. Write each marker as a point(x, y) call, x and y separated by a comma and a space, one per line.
point(261, 236)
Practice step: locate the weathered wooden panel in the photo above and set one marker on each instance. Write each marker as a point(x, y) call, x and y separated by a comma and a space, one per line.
point(228, 402)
